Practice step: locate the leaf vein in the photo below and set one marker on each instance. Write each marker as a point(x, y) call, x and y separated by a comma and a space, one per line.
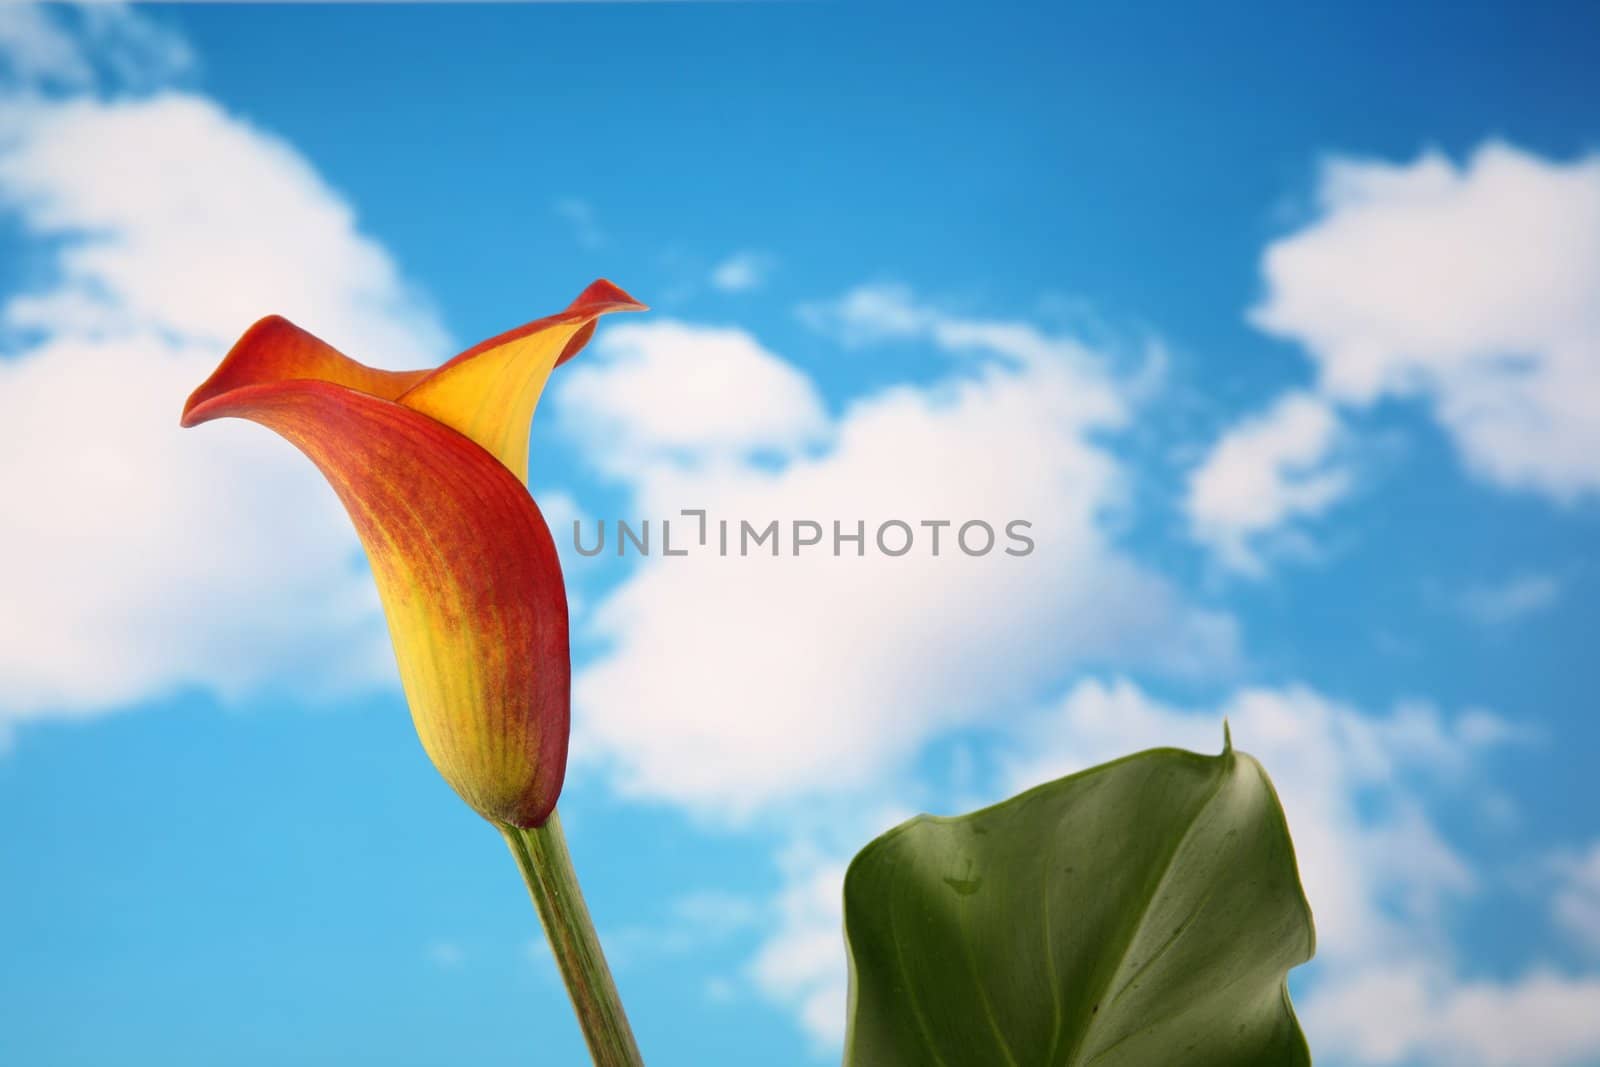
point(1144, 908)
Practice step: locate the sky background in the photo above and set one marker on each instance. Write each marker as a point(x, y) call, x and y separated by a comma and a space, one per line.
point(1282, 329)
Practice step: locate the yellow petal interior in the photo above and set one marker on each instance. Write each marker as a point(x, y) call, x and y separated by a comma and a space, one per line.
point(491, 396)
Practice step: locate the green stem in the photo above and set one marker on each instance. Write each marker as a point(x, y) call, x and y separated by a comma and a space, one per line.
point(541, 853)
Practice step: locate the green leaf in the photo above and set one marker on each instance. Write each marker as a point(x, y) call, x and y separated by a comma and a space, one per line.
point(1144, 912)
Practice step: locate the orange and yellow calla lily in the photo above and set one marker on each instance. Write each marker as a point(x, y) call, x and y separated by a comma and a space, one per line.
point(432, 466)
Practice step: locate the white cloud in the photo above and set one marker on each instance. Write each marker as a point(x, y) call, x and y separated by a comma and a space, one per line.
point(734, 683)
point(1410, 1013)
point(1510, 601)
point(742, 272)
point(703, 699)
point(1469, 286)
point(802, 964)
point(1264, 473)
point(138, 559)
point(664, 392)
point(1576, 904)
point(201, 224)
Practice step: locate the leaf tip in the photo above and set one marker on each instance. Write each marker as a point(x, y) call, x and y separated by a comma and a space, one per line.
point(1227, 737)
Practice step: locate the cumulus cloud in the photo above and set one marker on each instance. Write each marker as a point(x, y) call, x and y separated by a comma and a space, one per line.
point(1264, 473)
point(201, 223)
point(1406, 1013)
point(1467, 287)
point(742, 272)
point(801, 964)
point(1470, 286)
point(667, 392)
point(137, 561)
point(730, 683)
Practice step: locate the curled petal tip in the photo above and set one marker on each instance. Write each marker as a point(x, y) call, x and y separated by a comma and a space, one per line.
point(490, 391)
point(263, 333)
point(600, 298)
point(276, 350)
point(603, 295)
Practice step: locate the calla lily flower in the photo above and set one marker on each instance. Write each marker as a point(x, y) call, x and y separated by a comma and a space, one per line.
point(432, 467)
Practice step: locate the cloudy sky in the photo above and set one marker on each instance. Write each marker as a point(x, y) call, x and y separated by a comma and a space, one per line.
point(1283, 335)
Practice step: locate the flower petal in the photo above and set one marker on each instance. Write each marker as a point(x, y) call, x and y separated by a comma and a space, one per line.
point(490, 391)
point(469, 579)
point(275, 350)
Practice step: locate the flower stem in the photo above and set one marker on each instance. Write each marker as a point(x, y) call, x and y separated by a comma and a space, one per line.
point(541, 854)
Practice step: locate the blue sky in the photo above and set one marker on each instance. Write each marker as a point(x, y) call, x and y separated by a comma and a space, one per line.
point(1280, 330)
